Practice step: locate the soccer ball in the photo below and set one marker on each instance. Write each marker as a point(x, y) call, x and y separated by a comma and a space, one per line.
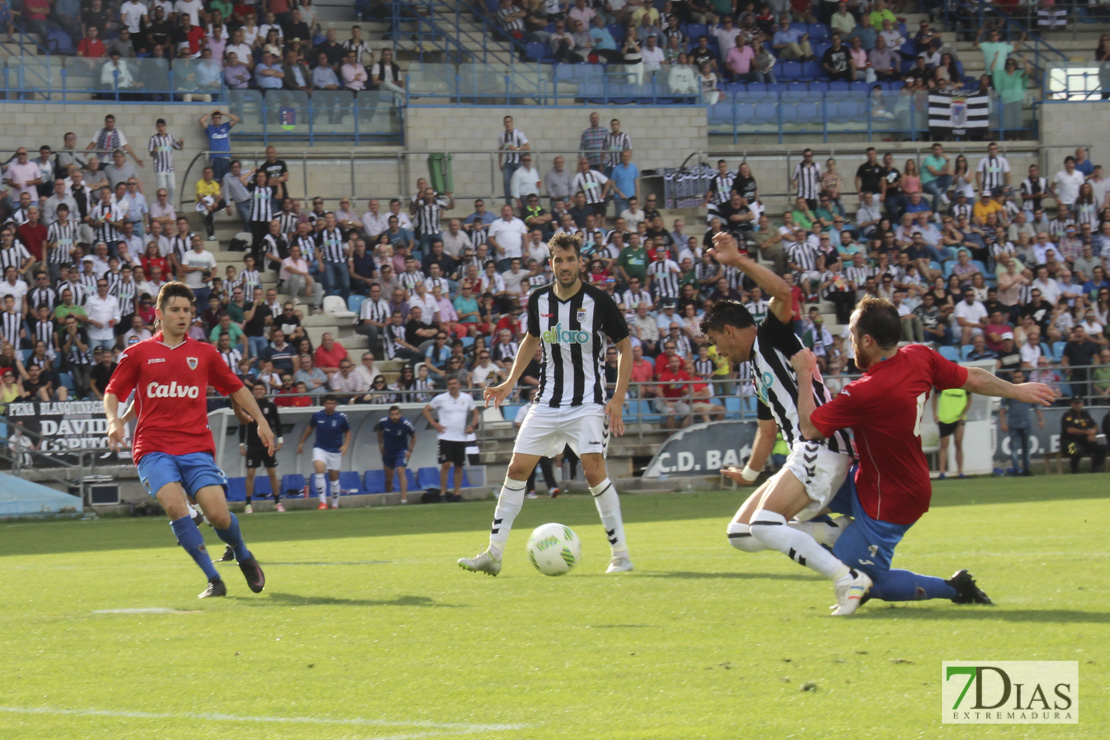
point(554, 549)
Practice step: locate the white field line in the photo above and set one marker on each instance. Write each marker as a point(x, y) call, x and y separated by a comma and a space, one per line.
point(432, 729)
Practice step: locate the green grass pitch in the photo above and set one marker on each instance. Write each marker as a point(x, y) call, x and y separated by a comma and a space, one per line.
point(368, 629)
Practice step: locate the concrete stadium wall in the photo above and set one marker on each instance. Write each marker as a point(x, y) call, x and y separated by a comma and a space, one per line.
point(1067, 125)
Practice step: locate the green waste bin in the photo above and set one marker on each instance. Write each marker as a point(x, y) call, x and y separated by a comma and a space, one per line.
point(440, 174)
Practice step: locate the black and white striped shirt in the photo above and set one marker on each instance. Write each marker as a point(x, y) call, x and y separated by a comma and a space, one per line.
point(961, 211)
point(393, 334)
point(332, 246)
point(11, 324)
point(803, 254)
point(76, 355)
point(614, 145)
point(377, 311)
point(993, 170)
point(515, 138)
point(43, 331)
point(776, 383)
point(13, 256)
point(125, 293)
point(232, 358)
point(77, 288)
point(572, 336)
point(1036, 188)
point(250, 279)
point(733, 275)
point(720, 188)
point(505, 351)
point(288, 221)
point(409, 280)
point(510, 25)
point(859, 274)
point(362, 50)
point(19, 215)
point(42, 297)
point(109, 212)
point(664, 278)
point(704, 368)
point(307, 244)
point(261, 203)
point(162, 146)
point(591, 184)
point(63, 237)
point(278, 245)
point(428, 216)
point(758, 309)
point(809, 180)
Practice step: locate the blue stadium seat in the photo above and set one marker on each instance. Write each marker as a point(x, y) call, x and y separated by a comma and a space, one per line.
point(950, 353)
point(767, 112)
point(1065, 390)
point(1058, 349)
point(374, 481)
point(795, 95)
point(262, 485)
point(509, 410)
point(236, 489)
point(538, 51)
point(617, 30)
point(819, 50)
point(354, 303)
point(818, 32)
point(838, 85)
point(777, 87)
point(693, 30)
point(965, 350)
point(720, 113)
point(811, 70)
point(732, 406)
point(350, 482)
point(787, 71)
point(757, 87)
point(732, 88)
point(292, 482)
point(428, 478)
point(800, 27)
point(66, 379)
point(859, 87)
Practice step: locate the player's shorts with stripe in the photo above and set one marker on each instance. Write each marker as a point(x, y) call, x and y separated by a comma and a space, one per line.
point(193, 471)
point(451, 451)
point(331, 460)
point(820, 470)
point(258, 457)
point(867, 544)
point(545, 431)
point(394, 459)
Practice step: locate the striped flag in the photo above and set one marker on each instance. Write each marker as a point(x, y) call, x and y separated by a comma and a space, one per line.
point(958, 114)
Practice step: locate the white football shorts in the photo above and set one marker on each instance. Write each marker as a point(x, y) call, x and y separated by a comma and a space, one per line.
point(331, 460)
point(545, 431)
point(820, 470)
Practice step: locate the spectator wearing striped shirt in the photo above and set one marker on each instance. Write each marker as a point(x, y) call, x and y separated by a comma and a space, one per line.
point(616, 142)
point(510, 143)
point(333, 252)
point(594, 187)
point(806, 180)
point(427, 213)
point(161, 148)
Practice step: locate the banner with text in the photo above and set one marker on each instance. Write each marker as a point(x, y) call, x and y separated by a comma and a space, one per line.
point(703, 449)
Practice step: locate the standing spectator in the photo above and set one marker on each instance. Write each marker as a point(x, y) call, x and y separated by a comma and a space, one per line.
point(161, 148)
point(103, 313)
point(526, 181)
point(198, 266)
point(209, 196)
point(993, 170)
point(1078, 433)
point(936, 177)
point(428, 213)
point(506, 236)
point(950, 409)
point(452, 430)
point(218, 132)
point(1013, 419)
point(510, 142)
point(23, 175)
point(558, 182)
point(626, 179)
point(594, 186)
point(1066, 184)
point(806, 179)
point(109, 139)
point(235, 193)
point(591, 144)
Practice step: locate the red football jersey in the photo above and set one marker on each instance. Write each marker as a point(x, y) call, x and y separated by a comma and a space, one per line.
point(171, 384)
point(883, 409)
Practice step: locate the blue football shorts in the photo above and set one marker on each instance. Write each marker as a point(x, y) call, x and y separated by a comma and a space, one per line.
point(391, 459)
point(193, 471)
point(867, 544)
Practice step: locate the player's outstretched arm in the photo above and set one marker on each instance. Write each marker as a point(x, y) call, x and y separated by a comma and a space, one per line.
point(726, 251)
point(805, 365)
point(988, 384)
point(615, 408)
point(498, 393)
point(245, 399)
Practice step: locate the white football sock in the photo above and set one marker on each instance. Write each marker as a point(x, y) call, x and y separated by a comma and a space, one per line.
point(609, 507)
point(334, 486)
point(740, 535)
point(509, 503)
point(770, 529)
point(318, 480)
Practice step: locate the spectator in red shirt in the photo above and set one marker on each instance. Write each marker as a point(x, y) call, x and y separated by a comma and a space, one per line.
point(33, 233)
point(329, 354)
point(664, 360)
point(674, 384)
point(994, 331)
point(642, 372)
point(91, 46)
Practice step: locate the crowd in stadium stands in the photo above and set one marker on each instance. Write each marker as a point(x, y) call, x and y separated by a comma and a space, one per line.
point(267, 46)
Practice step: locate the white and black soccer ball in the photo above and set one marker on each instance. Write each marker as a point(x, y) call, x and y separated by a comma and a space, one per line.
point(554, 549)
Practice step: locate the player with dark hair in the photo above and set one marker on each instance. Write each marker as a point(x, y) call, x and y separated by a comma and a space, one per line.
point(172, 447)
point(333, 438)
point(778, 514)
point(396, 440)
point(251, 447)
point(883, 409)
point(570, 321)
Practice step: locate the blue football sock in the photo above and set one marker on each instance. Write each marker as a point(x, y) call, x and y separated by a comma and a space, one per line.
point(190, 538)
point(904, 585)
point(233, 537)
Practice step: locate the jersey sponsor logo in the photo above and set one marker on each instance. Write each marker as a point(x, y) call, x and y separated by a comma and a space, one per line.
point(155, 360)
point(192, 362)
point(558, 335)
point(173, 390)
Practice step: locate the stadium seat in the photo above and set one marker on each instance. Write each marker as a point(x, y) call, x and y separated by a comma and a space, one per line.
point(1058, 349)
point(732, 406)
point(333, 305)
point(428, 478)
point(811, 70)
point(509, 410)
point(374, 481)
point(262, 485)
point(757, 87)
point(292, 482)
point(838, 86)
point(66, 379)
point(720, 113)
point(236, 489)
point(966, 350)
point(767, 112)
point(354, 303)
point(693, 30)
point(349, 482)
point(950, 353)
point(818, 32)
point(787, 71)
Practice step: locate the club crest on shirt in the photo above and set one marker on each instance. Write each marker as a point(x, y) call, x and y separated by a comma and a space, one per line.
point(192, 362)
point(581, 316)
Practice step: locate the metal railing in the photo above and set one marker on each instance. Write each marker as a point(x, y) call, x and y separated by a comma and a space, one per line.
point(67, 467)
point(418, 22)
point(1077, 82)
point(967, 16)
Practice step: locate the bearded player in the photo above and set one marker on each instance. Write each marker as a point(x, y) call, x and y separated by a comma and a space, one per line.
point(570, 321)
point(883, 409)
point(172, 446)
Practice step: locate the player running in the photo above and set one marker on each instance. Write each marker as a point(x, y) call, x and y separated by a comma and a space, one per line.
point(570, 321)
point(814, 470)
point(396, 441)
point(883, 409)
point(251, 447)
point(333, 437)
point(172, 447)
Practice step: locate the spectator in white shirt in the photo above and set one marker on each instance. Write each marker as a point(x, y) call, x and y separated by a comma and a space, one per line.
point(653, 58)
point(102, 309)
point(525, 181)
point(970, 317)
point(373, 221)
point(506, 236)
point(1065, 186)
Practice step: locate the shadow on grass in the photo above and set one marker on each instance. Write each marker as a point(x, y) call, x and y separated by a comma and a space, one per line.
point(283, 600)
point(735, 575)
point(922, 613)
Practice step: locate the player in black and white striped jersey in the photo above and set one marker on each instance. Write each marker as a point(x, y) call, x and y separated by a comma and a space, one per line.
point(814, 471)
point(571, 322)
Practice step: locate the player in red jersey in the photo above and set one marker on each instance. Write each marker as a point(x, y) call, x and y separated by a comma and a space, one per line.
point(172, 447)
point(883, 410)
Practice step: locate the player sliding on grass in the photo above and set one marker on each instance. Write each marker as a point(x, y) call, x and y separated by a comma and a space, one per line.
point(883, 409)
point(570, 321)
point(814, 471)
point(172, 447)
